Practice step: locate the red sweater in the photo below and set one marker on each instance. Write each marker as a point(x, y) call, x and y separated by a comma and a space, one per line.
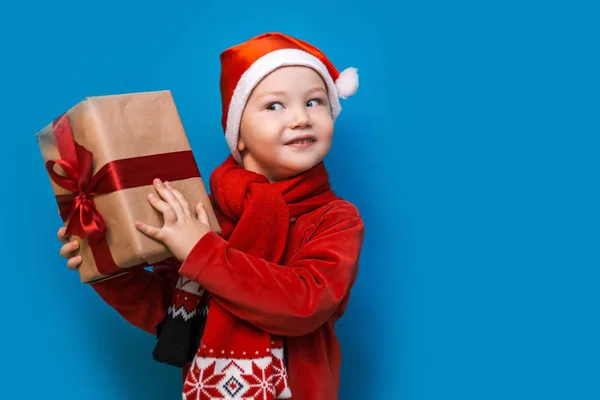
point(301, 300)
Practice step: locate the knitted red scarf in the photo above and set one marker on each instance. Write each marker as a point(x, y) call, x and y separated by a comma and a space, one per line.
point(236, 360)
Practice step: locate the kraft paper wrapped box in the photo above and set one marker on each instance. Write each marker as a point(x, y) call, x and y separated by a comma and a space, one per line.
point(101, 157)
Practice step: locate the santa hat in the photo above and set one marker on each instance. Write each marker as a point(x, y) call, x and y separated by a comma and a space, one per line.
point(245, 65)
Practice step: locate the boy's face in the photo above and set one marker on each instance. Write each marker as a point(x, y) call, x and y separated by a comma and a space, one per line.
point(286, 126)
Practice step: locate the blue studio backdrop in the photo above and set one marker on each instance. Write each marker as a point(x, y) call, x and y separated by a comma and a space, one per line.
point(471, 150)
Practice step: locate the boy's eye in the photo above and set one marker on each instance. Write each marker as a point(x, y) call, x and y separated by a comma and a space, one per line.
point(274, 106)
point(314, 102)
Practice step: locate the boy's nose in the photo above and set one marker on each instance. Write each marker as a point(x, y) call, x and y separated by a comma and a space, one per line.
point(299, 118)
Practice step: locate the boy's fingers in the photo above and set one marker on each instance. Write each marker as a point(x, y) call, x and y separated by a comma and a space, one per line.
point(181, 198)
point(202, 214)
point(74, 262)
point(148, 230)
point(167, 211)
point(67, 250)
point(169, 197)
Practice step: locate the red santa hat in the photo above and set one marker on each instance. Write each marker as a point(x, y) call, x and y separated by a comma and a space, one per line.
point(245, 65)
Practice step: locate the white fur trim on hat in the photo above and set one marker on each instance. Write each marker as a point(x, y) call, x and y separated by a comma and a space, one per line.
point(261, 68)
point(347, 83)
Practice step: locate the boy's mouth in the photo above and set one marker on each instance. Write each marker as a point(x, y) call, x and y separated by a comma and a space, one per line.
point(302, 140)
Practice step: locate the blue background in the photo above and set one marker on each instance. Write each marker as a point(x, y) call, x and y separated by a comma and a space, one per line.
point(471, 149)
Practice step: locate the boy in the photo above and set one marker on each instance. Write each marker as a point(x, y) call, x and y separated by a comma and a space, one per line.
point(250, 313)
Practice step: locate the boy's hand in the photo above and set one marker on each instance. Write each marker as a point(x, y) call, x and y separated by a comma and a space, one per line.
point(69, 249)
point(183, 228)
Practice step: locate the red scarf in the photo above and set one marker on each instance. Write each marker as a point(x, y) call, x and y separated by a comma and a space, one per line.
point(236, 359)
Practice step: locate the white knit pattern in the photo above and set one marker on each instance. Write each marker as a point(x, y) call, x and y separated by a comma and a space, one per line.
point(193, 288)
point(236, 379)
point(189, 286)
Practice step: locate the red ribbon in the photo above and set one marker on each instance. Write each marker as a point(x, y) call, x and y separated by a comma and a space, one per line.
point(78, 207)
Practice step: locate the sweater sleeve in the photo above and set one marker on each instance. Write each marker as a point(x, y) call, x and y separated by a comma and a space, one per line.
point(290, 300)
point(141, 296)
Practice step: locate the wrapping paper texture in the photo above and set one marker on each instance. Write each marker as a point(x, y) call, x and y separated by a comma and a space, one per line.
point(117, 127)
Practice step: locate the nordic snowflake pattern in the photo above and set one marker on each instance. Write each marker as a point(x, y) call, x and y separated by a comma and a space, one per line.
point(234, 379)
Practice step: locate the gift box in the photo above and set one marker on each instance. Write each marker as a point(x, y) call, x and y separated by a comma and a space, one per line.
point(101, 157)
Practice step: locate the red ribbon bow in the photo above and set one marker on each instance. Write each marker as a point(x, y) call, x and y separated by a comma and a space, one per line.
point(88, 223)
point(77, 166)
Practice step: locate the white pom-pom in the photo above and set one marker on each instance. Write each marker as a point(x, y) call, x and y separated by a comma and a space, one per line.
point(347, 82)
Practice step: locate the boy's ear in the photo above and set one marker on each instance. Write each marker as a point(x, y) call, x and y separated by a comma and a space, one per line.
point(241, 146)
